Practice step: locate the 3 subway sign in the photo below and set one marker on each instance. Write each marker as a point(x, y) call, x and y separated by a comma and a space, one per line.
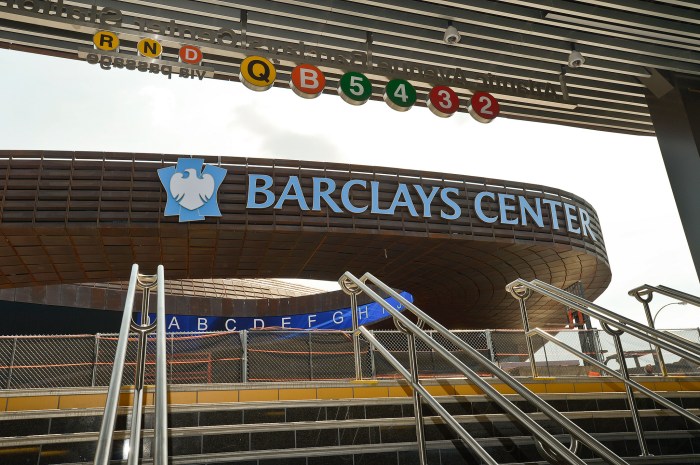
point(307, 81)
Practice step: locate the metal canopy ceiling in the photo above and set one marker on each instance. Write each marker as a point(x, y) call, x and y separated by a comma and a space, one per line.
point(624, 42)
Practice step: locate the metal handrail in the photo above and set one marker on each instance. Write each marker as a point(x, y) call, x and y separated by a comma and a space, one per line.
point(675, 344)
point(105, 439)
point(351, 284)
point(661, 400)
point(644, 294)
point(467, 438)
point(646, 290)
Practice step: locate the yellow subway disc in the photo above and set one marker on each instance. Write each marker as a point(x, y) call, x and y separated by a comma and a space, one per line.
point(106, 40)
point(149, 48)
point(257, 73)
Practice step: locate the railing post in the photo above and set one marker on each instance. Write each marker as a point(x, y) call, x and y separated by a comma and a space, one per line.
point(522, 295)
point(12, 362)
point(417, 407)
point(104, 443)
point(616, 333)
point(650, 320)
point(161, 400)
point(244, 355)
point(355, 336)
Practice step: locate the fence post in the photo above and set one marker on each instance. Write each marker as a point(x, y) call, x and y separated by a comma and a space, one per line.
point(311, 359)
point(95, 358)
point(172, 354)
point(371, 358)
point(489, 345)
point(12, 361)
point(244, 356)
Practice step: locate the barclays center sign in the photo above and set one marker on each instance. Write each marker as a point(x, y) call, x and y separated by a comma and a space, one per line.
point(192, 187)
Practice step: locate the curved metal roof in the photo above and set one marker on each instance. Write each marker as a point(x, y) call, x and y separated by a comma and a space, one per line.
point(77, 217)
point(627, 44)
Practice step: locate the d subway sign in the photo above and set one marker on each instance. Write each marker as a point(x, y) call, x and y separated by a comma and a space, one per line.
point(192, 187)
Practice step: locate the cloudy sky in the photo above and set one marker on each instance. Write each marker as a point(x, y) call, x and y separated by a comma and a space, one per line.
point(56, 104)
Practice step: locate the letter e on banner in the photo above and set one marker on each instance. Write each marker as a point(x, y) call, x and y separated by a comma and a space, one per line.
point(106, 40)
point(307, 81)
point(190, 54)
point(149, 48)
point(484, 107)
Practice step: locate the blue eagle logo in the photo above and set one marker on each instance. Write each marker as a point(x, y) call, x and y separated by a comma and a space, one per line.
point(192, 190)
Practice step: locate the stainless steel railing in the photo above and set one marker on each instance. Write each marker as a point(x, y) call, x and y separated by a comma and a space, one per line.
point(645, 293)
point(554, 451)
point(639, 387)
point(103, 452)
point(615, 325)
point(521, 290)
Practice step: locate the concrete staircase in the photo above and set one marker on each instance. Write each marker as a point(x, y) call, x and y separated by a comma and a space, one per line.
point(342, 423)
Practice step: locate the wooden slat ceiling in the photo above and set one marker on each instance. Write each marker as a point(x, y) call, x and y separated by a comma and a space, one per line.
point(623, 42)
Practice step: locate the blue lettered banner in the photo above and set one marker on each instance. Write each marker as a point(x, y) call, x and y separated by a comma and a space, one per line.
point(333, 319)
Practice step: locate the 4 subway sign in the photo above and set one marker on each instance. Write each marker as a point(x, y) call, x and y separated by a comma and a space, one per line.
point(308, 81)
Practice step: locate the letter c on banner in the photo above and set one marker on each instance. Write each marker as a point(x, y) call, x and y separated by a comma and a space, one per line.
point(257, 73)
point(226, 325)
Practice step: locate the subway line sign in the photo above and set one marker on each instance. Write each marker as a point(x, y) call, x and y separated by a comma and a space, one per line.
point(258, 73)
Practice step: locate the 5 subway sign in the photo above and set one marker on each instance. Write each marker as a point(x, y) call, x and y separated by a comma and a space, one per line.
point(307, 81)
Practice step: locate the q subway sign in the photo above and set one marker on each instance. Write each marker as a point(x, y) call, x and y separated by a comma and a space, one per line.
point(340, 319)
point(307, 81)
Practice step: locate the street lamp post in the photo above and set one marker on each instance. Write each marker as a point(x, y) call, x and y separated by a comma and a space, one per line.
point(667, 305)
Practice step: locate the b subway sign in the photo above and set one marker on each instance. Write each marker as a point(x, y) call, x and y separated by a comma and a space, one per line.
point(192, 188)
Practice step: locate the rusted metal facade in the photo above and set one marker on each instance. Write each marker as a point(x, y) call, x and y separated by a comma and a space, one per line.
point(69, 217)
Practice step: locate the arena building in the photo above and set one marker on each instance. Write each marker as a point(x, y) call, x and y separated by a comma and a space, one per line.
point(469, 251)
point(451, 241)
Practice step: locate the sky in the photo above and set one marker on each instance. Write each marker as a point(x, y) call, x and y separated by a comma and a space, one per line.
point(58, 104)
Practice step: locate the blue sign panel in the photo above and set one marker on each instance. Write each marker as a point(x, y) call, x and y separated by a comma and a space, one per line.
point(333, 319)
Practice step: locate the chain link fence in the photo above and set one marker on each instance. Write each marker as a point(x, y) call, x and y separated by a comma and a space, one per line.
point(286, 356)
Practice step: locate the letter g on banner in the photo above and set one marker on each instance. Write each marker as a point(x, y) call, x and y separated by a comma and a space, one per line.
point(257, 73)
